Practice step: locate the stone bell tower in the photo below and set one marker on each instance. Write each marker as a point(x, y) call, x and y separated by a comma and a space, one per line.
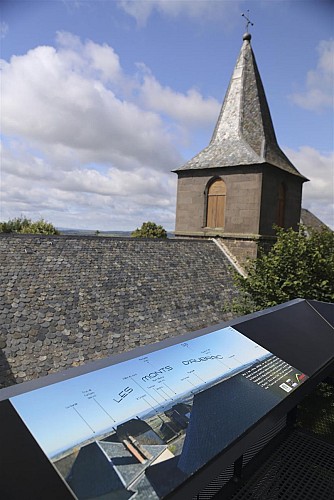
point(242, 183)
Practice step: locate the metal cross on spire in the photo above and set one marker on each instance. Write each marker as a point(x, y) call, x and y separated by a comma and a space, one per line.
point(249, 22)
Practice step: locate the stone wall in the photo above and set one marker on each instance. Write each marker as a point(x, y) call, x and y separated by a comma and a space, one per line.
point(243, 201)
point(272, 179)
point(252, 197)
point(242, 249)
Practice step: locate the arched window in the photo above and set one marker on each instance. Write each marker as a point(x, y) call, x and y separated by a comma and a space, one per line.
point(281, 205)
point(216, 201)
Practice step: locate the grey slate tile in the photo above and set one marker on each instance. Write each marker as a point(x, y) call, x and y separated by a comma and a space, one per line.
point(75, 299)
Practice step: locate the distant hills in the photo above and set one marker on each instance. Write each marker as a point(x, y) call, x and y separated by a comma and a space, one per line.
point(110, 234)
point(91, 232)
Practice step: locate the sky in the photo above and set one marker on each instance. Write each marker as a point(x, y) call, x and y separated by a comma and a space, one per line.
point(102, 99)
point(87, 405)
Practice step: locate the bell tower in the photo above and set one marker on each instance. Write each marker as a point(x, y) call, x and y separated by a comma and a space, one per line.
point(242, 183)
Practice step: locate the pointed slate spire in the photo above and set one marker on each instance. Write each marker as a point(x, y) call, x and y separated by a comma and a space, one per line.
point(244, 133)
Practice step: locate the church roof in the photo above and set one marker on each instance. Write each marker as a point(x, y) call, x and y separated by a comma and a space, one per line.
point(219, 415)
point(244, 133)
point(67, 300)
point(310, 220)
point(93, 475)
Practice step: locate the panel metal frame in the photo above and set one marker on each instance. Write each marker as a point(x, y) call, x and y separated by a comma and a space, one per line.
point(274, 328)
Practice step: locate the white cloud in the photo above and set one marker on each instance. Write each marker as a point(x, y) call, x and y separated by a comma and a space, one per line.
point(319, 92)
point(89, 56)
point(105, 60)
point(50, 97)
point(4, 28)
point(106, 198)
point(190, 108)
point(74, 148)
point(201, 10)
point(318, 194)
point(85, 144)
point(73, 5)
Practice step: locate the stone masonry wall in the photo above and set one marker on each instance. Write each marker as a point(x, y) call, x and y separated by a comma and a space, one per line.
point(293, 196)
point(242, 249)
point(243, 201)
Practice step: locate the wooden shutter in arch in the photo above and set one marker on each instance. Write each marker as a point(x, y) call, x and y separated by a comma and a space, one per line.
point(281, 205)
point(216, 204)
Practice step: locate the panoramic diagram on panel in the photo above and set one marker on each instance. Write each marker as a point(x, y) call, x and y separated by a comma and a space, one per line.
point(139, 428)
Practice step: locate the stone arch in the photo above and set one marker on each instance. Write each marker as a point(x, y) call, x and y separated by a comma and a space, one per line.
point(216, 203)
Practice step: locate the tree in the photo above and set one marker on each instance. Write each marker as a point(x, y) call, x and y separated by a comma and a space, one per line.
point(27, 226)
point(299, 264)
point(149, 230)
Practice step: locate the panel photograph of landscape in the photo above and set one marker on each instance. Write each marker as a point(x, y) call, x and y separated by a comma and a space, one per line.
point(141, 427)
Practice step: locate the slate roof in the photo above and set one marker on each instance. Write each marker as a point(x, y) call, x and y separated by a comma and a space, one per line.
point(139, 429)
point(66, 300)
point(93, 476)
point(219, 415)
point(310, 220)
point(244, 133)
point(127, 467)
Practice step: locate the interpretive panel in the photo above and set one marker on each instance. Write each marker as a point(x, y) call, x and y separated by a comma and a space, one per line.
point(141, 427)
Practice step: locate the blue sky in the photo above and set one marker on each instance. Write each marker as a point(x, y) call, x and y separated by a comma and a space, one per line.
point(102, 99)
point(126, 390)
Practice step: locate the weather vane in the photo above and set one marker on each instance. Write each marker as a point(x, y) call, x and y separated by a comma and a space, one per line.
point(249, 22)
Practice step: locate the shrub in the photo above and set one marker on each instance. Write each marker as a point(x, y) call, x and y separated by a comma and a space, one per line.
point(149, 230)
